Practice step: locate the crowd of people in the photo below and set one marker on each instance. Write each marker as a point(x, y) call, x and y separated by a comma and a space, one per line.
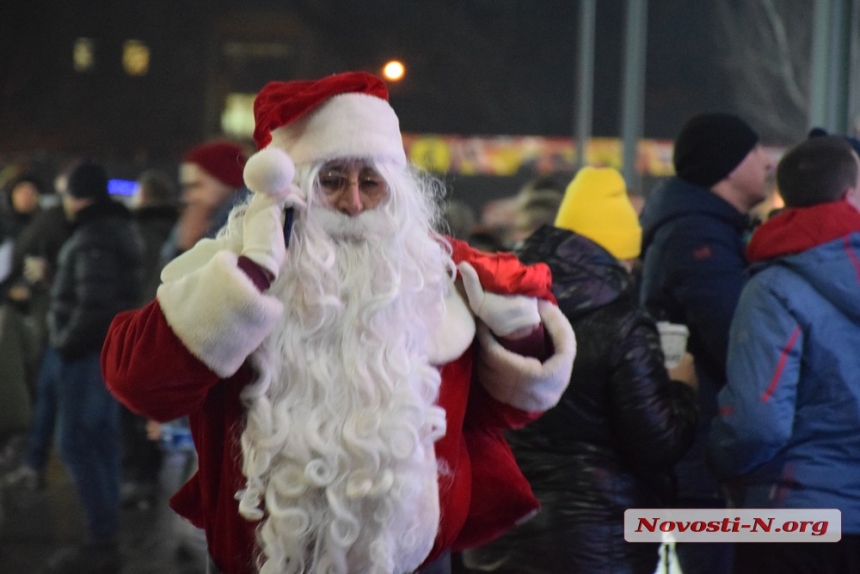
point(376, 379)
point(77, 257)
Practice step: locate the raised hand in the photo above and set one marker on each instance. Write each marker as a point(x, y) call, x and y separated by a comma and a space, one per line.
point(269, 174)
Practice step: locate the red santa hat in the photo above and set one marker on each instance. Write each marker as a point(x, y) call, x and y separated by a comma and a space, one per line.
point(303, 121)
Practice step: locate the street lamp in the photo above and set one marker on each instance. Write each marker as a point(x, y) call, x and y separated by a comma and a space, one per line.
point(393, 70)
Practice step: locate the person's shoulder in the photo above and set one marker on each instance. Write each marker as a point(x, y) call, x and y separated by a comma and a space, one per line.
point(49, 218)
point(694, 228)
point(672, 204)
point(773, 280)
point(156, 214)
point(117, 225)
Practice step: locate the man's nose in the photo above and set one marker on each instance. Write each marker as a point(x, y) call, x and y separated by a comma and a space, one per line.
point(349, 201)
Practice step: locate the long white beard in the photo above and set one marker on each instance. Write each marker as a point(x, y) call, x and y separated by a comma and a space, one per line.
point(341, 423)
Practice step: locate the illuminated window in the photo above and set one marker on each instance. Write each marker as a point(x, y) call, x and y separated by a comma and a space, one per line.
point(84, 55)
point(135, 58)
point(237, 119)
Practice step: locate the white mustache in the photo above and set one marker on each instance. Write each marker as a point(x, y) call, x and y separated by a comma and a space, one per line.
point(362, 227)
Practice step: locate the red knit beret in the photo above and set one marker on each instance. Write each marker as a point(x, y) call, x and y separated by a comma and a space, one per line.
point(223, 160)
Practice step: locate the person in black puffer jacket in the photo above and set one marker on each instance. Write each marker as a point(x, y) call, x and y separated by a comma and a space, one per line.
point(99, 274)
point(612, 440)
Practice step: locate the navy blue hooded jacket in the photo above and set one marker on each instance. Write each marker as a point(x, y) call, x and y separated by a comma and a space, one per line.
point(693, 247)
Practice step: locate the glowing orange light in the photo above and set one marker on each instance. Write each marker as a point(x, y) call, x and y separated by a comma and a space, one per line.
point(394, 71)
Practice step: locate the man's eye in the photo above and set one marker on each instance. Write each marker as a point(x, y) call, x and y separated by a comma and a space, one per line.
point(332, 181)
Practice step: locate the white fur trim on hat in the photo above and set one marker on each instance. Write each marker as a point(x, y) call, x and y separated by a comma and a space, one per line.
point(218, 313)
point(525, 382)
point(346, 125)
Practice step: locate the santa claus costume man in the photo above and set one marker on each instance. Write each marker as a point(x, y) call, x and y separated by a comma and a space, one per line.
point(347, 394)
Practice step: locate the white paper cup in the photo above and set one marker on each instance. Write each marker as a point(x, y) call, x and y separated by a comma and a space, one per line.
point(673, 339)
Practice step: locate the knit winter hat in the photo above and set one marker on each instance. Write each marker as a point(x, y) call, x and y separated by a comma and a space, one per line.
point(88, 180)
point(710, 146)
point(596, 206)
point(223, 160)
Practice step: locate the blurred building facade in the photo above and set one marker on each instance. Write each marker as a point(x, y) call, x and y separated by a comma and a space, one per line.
point(136, 83)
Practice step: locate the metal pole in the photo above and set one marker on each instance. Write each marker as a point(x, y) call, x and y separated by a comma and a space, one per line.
point(633, 90)
point(853, 70)
point(820, 69)
point(836, 80)
point(585, 79)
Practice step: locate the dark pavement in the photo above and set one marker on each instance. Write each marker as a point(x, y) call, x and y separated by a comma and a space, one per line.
point(33, 525)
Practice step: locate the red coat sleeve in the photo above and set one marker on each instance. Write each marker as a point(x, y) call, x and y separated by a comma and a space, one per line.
point(147, 368)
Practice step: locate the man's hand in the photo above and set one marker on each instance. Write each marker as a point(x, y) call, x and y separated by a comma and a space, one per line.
point(505, 315)
point(685, 372)
point(35, 270)
point(153, 429)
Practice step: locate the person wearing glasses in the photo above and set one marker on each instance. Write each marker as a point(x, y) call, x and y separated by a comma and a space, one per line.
point(348, 372)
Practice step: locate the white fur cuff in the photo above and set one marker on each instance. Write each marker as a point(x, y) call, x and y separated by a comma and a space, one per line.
point(218, 313)
point(525, 382)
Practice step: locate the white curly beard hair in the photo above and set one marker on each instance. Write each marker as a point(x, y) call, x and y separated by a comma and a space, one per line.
point(338, 444)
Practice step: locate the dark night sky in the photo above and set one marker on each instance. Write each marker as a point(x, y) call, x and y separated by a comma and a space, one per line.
point(509, 67)
point(481, 67)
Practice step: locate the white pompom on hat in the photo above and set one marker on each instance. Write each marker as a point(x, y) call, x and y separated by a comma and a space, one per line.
point(342, 115)
point(270, 171)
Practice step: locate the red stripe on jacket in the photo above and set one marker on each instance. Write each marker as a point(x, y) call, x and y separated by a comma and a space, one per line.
point(780, 366)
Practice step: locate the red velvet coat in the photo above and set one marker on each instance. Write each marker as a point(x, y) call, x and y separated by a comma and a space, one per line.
point(148, 367)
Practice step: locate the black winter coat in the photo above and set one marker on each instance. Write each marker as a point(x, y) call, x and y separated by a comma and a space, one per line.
point(155, 224)
point(611, 441)
point(99, 273)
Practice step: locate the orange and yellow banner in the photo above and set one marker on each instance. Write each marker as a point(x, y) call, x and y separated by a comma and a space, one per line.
point(504, 156)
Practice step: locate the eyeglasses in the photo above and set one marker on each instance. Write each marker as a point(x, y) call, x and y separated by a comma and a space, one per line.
point(335, 179)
